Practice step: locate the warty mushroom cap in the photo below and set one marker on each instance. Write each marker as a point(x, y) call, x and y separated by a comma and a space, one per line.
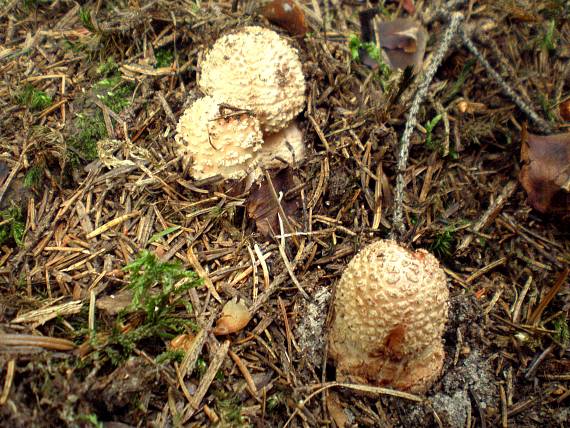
point(217, 142)
point(390, 311)
point(256, 69)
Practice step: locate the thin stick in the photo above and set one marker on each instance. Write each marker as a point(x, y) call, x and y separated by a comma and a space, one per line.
point(540, 123)
point(452, 28)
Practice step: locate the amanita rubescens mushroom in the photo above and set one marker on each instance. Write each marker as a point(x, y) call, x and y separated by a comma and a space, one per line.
point(390, 312)
point(217, 143)
point(256, 69)
point(257, 76)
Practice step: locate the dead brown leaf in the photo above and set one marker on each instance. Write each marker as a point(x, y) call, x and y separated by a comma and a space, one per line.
point(262, 207)
point(404, 43)
point(336, 409)
point(545, 172)
point(565, 110)
point(408, 6)
point(287, 15)
point(182, 342)
point(115, 303)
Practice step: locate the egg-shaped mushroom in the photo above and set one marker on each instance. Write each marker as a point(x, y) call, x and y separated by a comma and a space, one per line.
point(256, 69)
point(214, 139)
point(390, 311)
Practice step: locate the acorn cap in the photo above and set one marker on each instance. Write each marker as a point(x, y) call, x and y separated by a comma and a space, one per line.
point(390, 311)
point(217, 140)
point(256, 69)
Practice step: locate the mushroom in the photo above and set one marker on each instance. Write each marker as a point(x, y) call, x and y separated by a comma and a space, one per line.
point(282, 148)
point(217, 139)
point(256, 69)
point(390, 311)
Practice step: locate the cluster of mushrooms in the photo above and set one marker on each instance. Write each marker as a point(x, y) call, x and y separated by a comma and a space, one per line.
point(391, 303)
point(254, 87)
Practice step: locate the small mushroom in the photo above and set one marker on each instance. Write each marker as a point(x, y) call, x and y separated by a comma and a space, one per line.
point(216, 139)
point(256, 69)
point(283, 148)
point(390, 311)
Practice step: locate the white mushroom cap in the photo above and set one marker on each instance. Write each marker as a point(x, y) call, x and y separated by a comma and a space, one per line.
point(256, 69)
point(216, 141)
point(282, 148)
point(390, 309)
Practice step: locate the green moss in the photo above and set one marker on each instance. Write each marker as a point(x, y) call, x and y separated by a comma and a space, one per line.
point(12, 226)
point(114, 93)
point(108, 68)
point(444, 242)
point(562, 334)
point(169, 356)
point(33, 176)
point(229, 409)
point(164, 57)
point(33, 98)
point(147, 271)
point(357, 46)
point(83, 145)
point(155, 286)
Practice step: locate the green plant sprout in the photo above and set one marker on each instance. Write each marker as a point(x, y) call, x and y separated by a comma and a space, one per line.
point(429, 131)
point(33, 176)
point(91, 419)
point(33, 98)
point(12, 225)
point(548, 42)
point(373, 51)
point(157, 236)
point(443, 242)
point(85, 18)
point(547, 107)
point(463, 75)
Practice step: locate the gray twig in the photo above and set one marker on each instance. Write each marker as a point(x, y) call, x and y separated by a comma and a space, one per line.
point(404, 149)
point(540, 123)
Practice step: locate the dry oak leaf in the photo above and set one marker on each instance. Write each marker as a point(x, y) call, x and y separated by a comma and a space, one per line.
point(545, 172)
point(235, 317)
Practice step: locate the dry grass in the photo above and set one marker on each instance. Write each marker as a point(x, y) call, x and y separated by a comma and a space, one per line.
point(87, 217)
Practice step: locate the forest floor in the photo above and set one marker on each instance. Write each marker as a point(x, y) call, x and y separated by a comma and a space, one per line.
point(104, 323)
